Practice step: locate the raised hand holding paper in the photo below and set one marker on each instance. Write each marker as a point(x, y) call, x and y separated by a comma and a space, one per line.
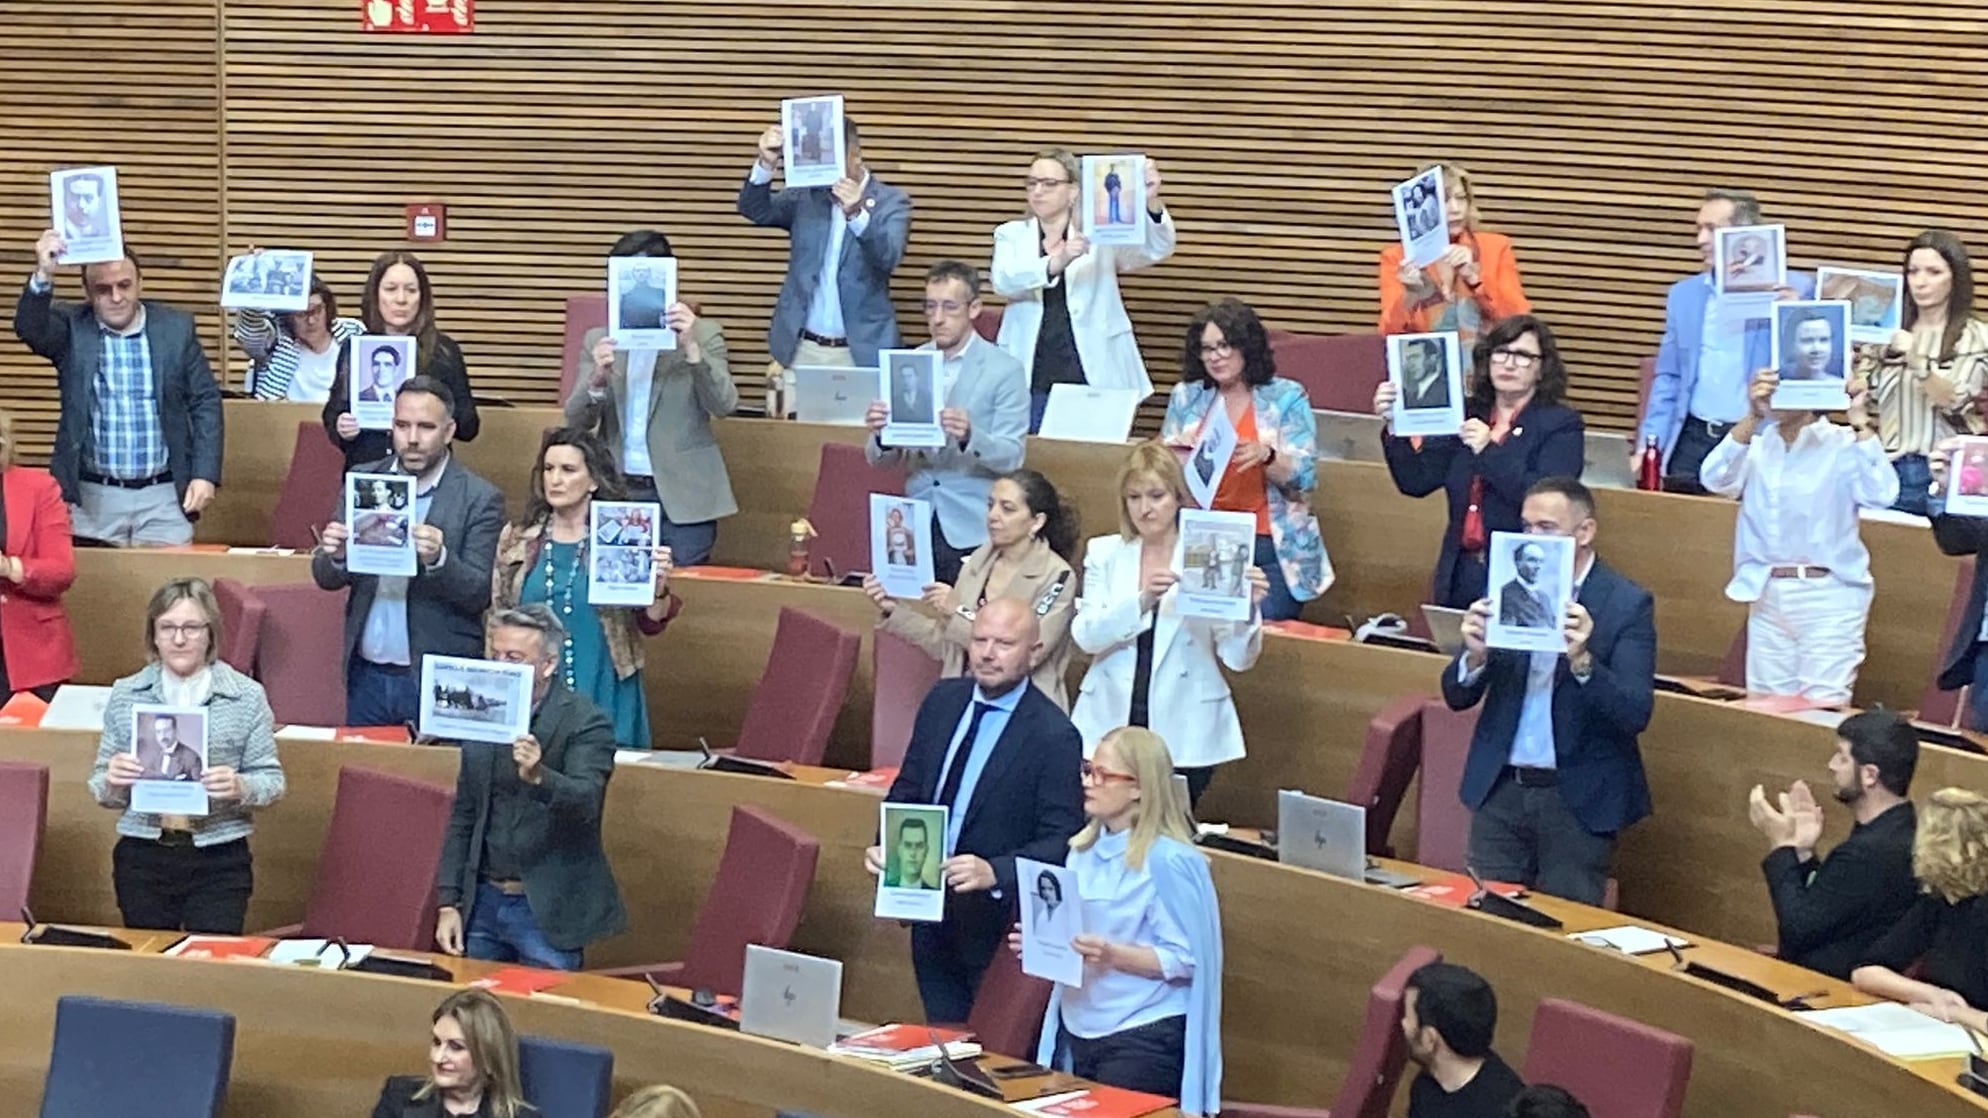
point(271, 280)
point(914, 837)
point(1212, 556)
point(82, 205)
point(640, 292)
point(1080, 413)
point(1532, 580)
point(170, 745)
point(1967, 478)
point(901, 544)
point(380, 511)
point(908, 383)
point(1419, 218)
point(621, 559)
point(1214, 445)
point(1427, 371)
point(1114, 199)
point(1052, 916)
point(379, 364)
point(812, 146)
point(1749, 258)
point(1811, 347)
point(475, 700)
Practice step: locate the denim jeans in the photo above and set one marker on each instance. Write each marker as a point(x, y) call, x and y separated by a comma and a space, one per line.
point(1914, 477)
point(503, 930)
point(380, 694)
point(1278, 604)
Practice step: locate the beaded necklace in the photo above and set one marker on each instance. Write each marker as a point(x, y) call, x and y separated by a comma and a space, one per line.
point(564, 602)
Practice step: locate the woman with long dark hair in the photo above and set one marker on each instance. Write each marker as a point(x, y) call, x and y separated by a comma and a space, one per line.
point(1517, 429)
point(398, 301)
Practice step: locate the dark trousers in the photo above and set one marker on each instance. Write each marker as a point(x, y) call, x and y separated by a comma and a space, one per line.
point(182, 888)
point(381, 694)
point(1976, 715)
point(1278, 604)
point(1149, 1058)
point(1694, 441)
point(948, 959)
point(1915, 476)
point(1526, 835)
point(690, 543)
point(1470, 580)
point(1198, 780)
point(946, 559)
point(1038, 404)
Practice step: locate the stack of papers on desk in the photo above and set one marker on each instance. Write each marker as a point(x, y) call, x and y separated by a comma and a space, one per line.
point(899, 1047)
point(319, 953)
point(1630, 939)
point(1896, 1030)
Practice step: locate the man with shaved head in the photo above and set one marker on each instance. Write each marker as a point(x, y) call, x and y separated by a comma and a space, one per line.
point(1004, 760)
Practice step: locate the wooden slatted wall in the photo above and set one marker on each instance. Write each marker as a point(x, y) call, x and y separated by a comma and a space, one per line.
point(1591, 129)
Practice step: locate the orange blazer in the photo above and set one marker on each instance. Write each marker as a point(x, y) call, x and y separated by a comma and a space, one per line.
point(34, 628)
point(1498, 293)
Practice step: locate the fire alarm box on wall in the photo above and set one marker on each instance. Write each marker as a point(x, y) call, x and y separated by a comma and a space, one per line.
point(427, 221)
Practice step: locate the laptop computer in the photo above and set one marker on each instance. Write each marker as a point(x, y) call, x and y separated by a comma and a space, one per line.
point(1186, 803)
point(1445, 628)
point(1349, 436)
point(789, 996)
point(833, 394)
point(1315, 833)
point(1606, 463)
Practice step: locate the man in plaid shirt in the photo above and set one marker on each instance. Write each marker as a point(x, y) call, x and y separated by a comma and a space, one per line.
point(138, 448)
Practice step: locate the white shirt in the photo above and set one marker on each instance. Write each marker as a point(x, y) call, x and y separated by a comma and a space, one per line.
point(1122, 906)
point(1798, 504)
point(1532, 740)
point(1719, 392)
point(635, 424)
point(311, 383)
point(825, 309)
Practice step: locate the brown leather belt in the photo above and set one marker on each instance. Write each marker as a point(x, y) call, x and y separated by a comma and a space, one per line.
point(510, 886)
point(1799, 570)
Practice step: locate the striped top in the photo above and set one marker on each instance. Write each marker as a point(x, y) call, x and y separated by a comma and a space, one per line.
point(273, 353)
point(241, 734)
point(1920, 398)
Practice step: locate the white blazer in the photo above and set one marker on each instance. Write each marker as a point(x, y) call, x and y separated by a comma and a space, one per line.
point(1097, 312)
point(1187, 700)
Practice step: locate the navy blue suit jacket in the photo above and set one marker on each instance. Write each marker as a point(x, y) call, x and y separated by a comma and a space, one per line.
point(1595, 724)
point(1546, 441)
point(1028, 801)
point(1962, 535)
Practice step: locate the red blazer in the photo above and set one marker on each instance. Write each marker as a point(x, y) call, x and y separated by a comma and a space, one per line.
point(34, 628)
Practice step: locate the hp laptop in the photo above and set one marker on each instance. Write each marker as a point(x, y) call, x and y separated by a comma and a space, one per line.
point(1349, 436)
point(791, 997)
point(833, 394)
point(1445, 628)
point(1330, 837)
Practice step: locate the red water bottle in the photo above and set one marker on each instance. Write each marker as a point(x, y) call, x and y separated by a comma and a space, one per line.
point(1650, 467)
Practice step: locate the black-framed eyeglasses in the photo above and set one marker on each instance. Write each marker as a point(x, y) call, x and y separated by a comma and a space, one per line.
point(1034, 183)
point(1516, 358)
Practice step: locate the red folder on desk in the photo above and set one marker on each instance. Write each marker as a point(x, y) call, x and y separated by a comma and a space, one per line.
point(1453, 890)
point(1098, 1102)
point(221, 947)
point(520, 980)
point(23, 711)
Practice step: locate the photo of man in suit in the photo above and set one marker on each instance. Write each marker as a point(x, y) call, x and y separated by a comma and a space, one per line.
point(644, 303)
point(1813, 342)
point(1004, 759)
point(1114, 184)
point(163, 753)
point(85, 207)
point(1549, 795)
point(1523, 603)
point(908, 866)
point(1425, 369)
point(910, 394)
point(382, 374)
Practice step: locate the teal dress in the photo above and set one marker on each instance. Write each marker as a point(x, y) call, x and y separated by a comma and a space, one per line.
point(584, 663)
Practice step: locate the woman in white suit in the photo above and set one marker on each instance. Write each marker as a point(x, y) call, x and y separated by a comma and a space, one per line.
point(1065, 321)
point(1150, 666)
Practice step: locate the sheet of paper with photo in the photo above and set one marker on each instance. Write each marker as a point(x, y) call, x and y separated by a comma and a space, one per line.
point(1749, 258)
point(1967, 478)
point(1532, 580)
point(621, 559)
point(1877, 301)
point(1792, 322)
point(1209, 458)
point(373, 373)
point(1420, 219)
point(1212, 556)
point(379, 517)
point(82, 203)
point(911, 386)
point(277, 280)
point(170, 784)
point(1052, 916)
point(912, 892)
point(465, 699)
point(640, 292)
point(1437, 410)
point(1119, 220)
point(811, 141)
point(1081, 413)
point(901, 544)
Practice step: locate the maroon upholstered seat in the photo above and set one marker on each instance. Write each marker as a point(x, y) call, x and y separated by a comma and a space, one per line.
point(1618, 1068)
point(1442, 831)
point(1375, 1070)
point(310, 492)
point(242, 612)
point(1732, 670)
point(1007, 1009)
point(306, 685)
point(1388, 760)
point(376, 872)
point(23, 820)
point(756, 898)
point(583, 313)
point(1942, 708)
point(1339, 371)
point(840, 509)
point(902, 673)
point(807, 676)
point(988, 322)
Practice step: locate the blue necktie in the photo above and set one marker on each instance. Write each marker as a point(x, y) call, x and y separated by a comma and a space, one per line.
point(949, 789)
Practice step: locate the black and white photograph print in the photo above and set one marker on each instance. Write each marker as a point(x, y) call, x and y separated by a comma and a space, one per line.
point(1749, 258)
point(1877, 301)
point(381, 525)
point(379, 363)
point(271, 280)
point(83, 208)
point(1427, 371)
point(1418, 218)
point(909, 385)
point(170, 746)
point(901, 544)
point(1810, 340)
point(1212, 557)
point(640, 292)
point(812, 141)
point(475, 700)
point(1532, 580)
point(1051, 917)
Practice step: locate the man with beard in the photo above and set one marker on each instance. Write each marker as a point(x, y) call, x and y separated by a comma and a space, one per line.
point(1449, 1015)
point(1830, 911)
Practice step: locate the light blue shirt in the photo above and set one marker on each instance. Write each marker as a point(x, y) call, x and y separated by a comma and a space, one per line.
point(1532, 741)
point(981, 748)
point(1719, 393)
point(384, 639)
point(1122, 905)
point(825, 309)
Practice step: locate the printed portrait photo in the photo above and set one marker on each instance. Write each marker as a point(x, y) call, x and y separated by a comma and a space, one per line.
point(1525, 602)
point(1425, 372)
point(900, 542)
point(382, 366)
point(1750, 257)
point(170, 746)
point(809, 125)
point(1812, 339)
point(89, 205)
point(912, 399)
point(911, 849)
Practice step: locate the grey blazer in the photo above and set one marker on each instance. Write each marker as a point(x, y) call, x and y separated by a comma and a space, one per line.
point(994, 393)
point(863, 275)
point(683, 399)
point(67, 335)
point(445, 604)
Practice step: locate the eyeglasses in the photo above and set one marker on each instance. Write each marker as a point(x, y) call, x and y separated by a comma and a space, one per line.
point(1045, 184)
point(1219, 349)
point(1093, 771)
point(947, 306)
point(166, 630)
point(1516, 358)
point(312, 311)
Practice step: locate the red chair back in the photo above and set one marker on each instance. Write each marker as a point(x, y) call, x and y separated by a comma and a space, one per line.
point(376, 873)
point(840, 509)
point(310, 490)
point(1339, 371)
point(756, 898)
point(241, 623)
point(583, 313)
point(1732, 670)
point(1375, 1070)
point(23, 820)
point(988, 322)
point(1442, 835)
point(902, 673)
point(1617, 1067)
point(1008, 1008)
point(1942, 708)
point(302, 623)
point(1388, 760)
point(806, 679)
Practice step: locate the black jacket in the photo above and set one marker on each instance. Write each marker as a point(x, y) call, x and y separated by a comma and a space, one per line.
point(1829, 913)
point(397, 1101)
point(444, 364)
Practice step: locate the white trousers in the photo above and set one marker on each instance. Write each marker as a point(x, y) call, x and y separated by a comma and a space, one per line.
point(1805, 636)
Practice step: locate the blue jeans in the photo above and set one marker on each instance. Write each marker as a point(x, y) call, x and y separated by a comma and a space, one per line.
point(503, 930)
point(1278, 605)
point(381, 695)
point(690, 544)
point(1914, 476)
point(1038, 404)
